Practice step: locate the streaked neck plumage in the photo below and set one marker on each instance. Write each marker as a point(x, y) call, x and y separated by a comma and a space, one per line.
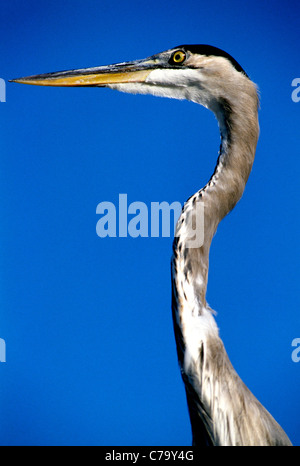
point(239, 130)
point(216, 395)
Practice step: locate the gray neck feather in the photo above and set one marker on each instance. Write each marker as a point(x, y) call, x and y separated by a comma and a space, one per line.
point(239, 133)
point(216, 396)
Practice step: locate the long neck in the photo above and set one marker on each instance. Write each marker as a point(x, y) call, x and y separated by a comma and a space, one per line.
point(239, 134)
point(194, 326)
point(192, 318)
point(222, 409)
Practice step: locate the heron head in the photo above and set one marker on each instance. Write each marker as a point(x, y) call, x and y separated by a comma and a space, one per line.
point(200, 73)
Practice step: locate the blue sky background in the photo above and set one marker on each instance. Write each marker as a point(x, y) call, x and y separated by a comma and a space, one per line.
point(91, 356)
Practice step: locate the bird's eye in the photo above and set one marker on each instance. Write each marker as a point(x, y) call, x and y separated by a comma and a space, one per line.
point(178, 57)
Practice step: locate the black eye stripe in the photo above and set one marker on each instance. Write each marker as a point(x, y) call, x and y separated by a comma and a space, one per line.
point(203, 49)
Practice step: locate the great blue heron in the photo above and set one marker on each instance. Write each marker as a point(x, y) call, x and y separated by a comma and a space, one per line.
point(222, 409)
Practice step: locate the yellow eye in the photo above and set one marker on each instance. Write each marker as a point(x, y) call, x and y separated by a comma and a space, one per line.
point(178, 57)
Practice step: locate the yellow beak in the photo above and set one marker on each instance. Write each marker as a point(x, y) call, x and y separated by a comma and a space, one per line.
point(130, 72)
